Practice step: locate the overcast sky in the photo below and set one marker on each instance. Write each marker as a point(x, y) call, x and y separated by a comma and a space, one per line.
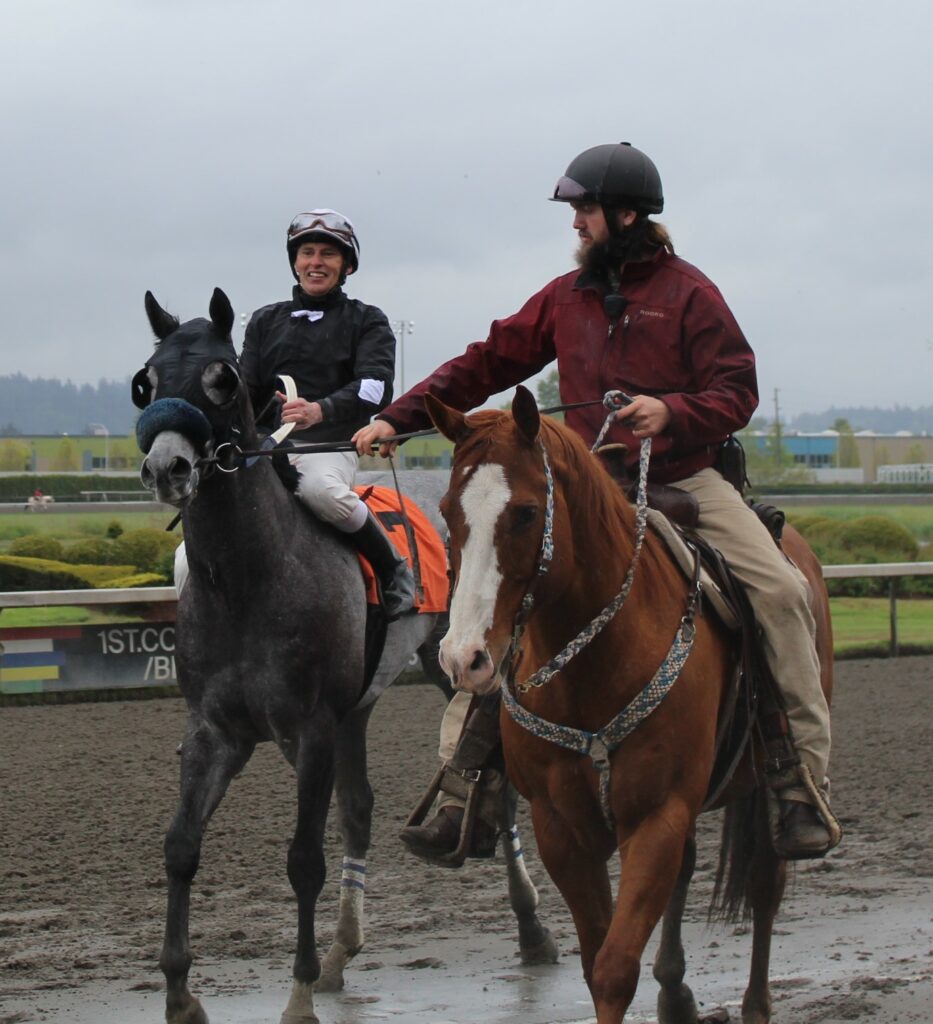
point(166, 144)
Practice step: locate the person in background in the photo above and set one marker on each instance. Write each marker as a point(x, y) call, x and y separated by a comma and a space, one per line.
point(341, 354)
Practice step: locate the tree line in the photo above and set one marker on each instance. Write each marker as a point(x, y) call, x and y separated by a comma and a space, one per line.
point(51, 406)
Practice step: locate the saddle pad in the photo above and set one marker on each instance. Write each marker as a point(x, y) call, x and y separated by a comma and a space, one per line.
point(683, 556)
point(432, 555)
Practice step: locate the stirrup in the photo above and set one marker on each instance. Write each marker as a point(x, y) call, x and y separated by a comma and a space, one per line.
point(462, 783)
point(818, 800)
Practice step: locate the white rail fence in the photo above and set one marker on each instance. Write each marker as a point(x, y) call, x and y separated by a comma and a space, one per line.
point(141, 653)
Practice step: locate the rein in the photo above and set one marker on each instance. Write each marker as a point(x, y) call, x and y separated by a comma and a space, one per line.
point(600, 744)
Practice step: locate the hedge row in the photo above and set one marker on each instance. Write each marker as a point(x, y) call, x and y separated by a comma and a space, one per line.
point(136, 558)
point(18, 573)
point(868, 540)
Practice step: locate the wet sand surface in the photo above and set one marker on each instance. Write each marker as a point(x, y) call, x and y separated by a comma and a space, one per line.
point(87, 791)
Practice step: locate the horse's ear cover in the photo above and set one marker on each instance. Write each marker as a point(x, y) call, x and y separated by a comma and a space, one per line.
point(172, 414)
point(221, 313)
point(162, 323)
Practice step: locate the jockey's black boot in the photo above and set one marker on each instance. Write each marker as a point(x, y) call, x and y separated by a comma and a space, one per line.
point(396, 582)
point(475, 775)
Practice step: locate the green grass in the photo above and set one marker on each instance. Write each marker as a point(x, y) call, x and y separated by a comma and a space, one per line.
point(61, 616)
point(861, 623)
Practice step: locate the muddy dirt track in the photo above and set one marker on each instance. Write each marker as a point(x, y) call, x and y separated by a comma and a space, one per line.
point(87, 791)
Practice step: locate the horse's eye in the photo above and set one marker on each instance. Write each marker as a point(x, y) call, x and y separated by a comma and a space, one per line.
point(523, 515)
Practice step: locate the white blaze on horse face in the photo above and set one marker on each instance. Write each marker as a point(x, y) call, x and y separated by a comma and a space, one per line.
point(463, 653)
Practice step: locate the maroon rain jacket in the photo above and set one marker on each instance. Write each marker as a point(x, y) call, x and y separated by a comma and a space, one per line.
point(676, 340)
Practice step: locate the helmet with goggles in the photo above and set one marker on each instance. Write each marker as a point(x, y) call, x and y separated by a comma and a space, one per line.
point(614, 175)
point(321, 225)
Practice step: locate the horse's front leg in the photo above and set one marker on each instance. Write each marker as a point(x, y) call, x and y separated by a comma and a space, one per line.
point(208, 763)
point(314, 768)
point(579, 872)
point(535, 942)
point(651, 864)
point(355, 812)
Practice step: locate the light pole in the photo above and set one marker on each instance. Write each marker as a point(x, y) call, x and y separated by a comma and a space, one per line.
point(99, 429)
point(400, 328)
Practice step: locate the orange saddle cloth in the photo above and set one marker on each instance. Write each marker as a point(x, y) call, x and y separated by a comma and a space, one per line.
point(383, 502)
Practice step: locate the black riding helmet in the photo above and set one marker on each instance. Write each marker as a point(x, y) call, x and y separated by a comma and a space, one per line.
point(614, 175)
point(318, 225)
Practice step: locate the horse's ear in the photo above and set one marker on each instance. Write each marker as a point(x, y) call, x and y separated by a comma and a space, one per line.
point(221, 313)
point(525, 412)
point(163, 324)
point(450, 422)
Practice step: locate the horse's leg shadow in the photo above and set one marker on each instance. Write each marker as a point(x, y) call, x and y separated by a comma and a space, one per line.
point(208, 763)
point(355, 815)
point(536, 944)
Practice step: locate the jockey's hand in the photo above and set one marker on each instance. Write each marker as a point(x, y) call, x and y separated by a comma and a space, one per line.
point(370, 436)
point(646, 416)
point(300, 412)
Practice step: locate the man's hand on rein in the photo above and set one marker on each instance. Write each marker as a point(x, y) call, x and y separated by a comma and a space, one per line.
point(645, 416)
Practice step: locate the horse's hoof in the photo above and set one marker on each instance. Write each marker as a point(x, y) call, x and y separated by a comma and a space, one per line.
point(677, 1006)
point(191, 1013)
point(331, 980)
point(544, 952)
point(300, 1009)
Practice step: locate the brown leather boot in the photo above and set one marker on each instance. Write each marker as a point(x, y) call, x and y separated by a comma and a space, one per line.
point(441, 835)
point(802, 833)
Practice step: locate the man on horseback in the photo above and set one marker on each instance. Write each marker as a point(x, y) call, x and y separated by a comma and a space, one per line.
point(341, 353)
point(637, 318)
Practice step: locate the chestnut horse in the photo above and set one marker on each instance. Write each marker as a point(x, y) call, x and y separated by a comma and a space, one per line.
point(510, 510)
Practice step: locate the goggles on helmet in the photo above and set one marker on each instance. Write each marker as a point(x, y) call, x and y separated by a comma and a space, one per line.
point(327, 222)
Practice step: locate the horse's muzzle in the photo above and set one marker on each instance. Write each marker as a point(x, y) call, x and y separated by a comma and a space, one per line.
point(469, 668)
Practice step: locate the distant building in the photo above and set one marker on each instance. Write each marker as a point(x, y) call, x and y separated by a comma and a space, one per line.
point(819, 452)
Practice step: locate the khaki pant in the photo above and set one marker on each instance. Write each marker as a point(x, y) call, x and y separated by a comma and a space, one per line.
point(778, 593)
point(452, 723)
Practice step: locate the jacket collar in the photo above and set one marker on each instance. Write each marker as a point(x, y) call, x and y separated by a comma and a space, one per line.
point(303, 300)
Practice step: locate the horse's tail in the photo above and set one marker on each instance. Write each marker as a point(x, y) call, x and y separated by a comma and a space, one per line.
point(744, 826)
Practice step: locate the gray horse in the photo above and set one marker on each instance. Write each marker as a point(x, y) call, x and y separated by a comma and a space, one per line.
point(270, 645)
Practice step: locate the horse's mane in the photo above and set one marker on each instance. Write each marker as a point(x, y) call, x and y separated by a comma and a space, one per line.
point(580, 473)
point(585, 480)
